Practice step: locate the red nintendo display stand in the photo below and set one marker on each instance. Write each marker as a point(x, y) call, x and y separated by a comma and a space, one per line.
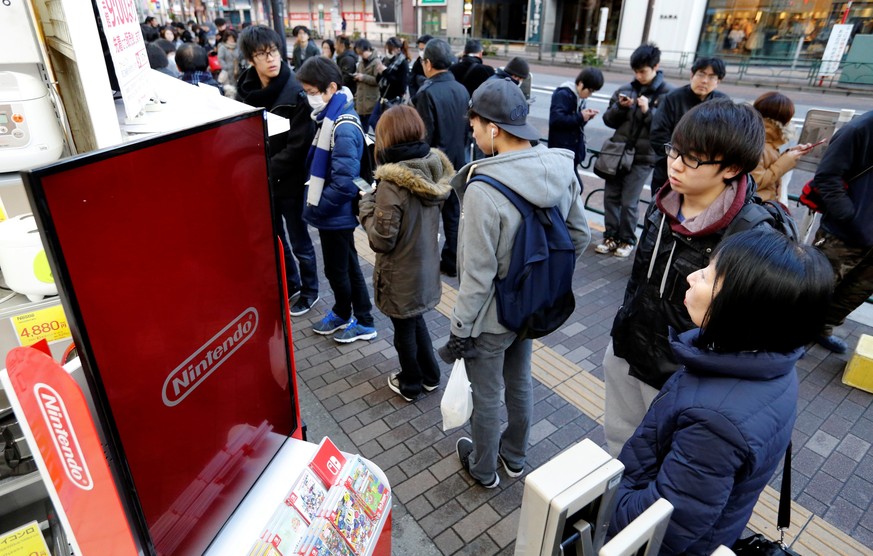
point(165, 254)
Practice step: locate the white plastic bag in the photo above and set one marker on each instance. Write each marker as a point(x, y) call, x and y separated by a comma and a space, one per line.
point(457, 402)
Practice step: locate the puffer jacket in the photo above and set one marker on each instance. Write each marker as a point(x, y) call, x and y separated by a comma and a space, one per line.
point(709, 444)
point(334, 210)
point(402, 220)
point(367, 93)
point(654, 300)
point(768, 174)
point(566, 122)
point(631, 122)
point(470, 71)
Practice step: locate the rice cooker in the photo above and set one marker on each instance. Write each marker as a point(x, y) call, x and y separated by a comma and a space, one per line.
point(29, 131)
point(23, 259)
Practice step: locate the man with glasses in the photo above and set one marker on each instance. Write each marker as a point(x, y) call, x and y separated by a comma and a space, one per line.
point(706, 74)
point(270, 83)
point(708, 195)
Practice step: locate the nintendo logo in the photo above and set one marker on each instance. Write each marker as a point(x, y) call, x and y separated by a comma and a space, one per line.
point(67, 445)
point(208, 357)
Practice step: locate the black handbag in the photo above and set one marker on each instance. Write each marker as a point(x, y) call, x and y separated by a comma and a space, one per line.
point(616, 157)
point(759, 545)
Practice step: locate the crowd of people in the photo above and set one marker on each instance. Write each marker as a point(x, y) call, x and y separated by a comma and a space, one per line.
point(719, 305)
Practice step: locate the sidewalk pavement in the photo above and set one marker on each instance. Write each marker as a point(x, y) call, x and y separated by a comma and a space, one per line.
point(438, 509)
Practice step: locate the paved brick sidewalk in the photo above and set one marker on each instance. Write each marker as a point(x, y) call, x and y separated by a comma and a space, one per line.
point(437, 509)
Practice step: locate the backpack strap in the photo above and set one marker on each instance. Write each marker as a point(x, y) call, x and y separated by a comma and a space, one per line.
point(750, 216)
point(523, 206)
point(346, 119)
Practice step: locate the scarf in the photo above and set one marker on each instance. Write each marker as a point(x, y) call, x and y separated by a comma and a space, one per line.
point(404, 151)
point(264, 97)
point(320, 150)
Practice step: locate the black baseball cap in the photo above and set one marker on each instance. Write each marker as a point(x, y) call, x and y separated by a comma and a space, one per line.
point(502, 102)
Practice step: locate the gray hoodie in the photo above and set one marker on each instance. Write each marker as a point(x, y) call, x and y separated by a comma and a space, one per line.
point(545, 178)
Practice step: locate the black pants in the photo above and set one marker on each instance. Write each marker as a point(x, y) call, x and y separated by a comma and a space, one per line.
point(344, 274)
point(415, 351)
point(853, 274)
point(451, 219)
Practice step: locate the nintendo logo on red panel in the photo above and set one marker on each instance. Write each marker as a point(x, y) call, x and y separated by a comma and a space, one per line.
point(208, 357)
point(64, 437)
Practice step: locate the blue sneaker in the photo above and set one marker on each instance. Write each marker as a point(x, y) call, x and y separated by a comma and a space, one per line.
point(330, 324)
point(355, 331)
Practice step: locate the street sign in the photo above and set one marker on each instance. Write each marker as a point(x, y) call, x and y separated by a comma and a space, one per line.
point(431, 2)
point(465, 21)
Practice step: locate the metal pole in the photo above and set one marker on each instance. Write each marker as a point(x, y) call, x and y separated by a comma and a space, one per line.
point(650, 9)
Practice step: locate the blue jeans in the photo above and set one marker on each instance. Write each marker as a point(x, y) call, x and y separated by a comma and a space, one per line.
point(621, 202)
point(502, 361)
point(297, 243)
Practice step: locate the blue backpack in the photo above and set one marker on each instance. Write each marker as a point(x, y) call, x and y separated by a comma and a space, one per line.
point(536, 296)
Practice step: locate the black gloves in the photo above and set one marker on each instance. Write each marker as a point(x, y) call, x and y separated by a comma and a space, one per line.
point(457, 348)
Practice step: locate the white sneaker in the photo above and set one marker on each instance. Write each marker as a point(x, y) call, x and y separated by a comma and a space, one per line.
point(624, 250)
point(608, 245)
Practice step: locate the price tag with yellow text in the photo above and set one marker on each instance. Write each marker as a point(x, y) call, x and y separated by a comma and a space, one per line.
point(24, 541)
point(45, 324)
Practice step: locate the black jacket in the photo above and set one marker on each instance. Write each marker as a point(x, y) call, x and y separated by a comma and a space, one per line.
point(417, 78)
point(566, 121)
point(848, 213)
point(348, 65)
point(394, 78)
point(631, 122)
point(442, 103)
point(284, 96)
point(654, 299)
point(300, 55)
point(673, 106)
point(471, 72)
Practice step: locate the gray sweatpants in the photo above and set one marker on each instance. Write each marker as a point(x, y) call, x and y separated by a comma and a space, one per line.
point(627, 400)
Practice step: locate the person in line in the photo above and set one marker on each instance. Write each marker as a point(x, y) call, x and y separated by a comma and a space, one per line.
point(169, 49)
point(158, 59)
point(630, 113)
point(269, 83)
point(347, 61)
point(846, 232)
point(715, 434)
point(193, 63)
point(221, 27)
point(518, 70)
point(498, 362)
point(328, 50)
point(333, 162)
point(470, 71)
point(442, 104)
point(568, 112)
point(706, 74)
point(393, 79)
point(402, 218)
point(304, 46)
point(777, 111)
point(228, 57)
point(417, 77)
point(170, 33)
point(367, 78)
point(713, 148)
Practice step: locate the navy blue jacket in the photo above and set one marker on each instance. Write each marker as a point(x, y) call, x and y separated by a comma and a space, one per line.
point(709, 444)
point(566, 122)
point(334, 210)
point(848, 214)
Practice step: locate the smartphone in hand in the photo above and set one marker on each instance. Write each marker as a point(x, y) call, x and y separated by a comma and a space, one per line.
point(365, 187)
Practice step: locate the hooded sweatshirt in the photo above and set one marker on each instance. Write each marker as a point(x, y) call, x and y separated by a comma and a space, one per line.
point(566, 122)
point(545, 178)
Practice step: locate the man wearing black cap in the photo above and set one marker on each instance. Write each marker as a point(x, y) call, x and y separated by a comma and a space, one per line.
point(417, 78)
point(518, 70)
point(495, 357)
point(442, 104)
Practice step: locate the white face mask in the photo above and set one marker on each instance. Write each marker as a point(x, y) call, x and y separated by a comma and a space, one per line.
point(316, 102)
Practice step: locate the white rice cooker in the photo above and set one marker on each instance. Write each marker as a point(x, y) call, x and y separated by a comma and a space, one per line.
point(29, 131)
point(23, 259)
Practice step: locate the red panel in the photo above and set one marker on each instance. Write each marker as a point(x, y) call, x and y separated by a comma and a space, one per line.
point(166, 252)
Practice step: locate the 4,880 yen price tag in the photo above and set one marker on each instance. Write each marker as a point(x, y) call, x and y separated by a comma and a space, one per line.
point(49, 324)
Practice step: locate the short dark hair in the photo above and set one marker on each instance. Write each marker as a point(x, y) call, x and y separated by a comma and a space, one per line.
point(148, 20)
point(157, 57)
point(424, 39)
point(320, 72)
point(772, 293)
point(257, 37)
point(219, 21)
point(776, 106)
point(393, 42)
point(330, 45)
point(363, 45)
point(646, 55)
point(591, 79)
point(472, 47)
point(715, 64)
point(165, 45)
point(227, 33)
point(344, 40)
point(721, 129)
point(439, 54)
point(192, 57)
point(299, 28)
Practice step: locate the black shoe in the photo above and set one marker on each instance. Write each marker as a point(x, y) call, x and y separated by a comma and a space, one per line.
point(511, 471)
point(293, 298)
point(394, 384)
point(464, 448)
point(448, 270)
point(303, 306)
point(833, 343)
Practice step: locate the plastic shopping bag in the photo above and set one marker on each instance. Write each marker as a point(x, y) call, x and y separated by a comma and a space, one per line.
point(457, 402)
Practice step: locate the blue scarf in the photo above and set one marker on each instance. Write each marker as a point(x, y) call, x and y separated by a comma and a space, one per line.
point(319, 151)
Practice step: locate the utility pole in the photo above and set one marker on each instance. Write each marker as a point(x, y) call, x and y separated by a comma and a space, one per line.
point(650, 9)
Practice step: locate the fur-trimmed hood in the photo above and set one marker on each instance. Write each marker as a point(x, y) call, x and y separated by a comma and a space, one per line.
point(776, 133)
point(427, 178)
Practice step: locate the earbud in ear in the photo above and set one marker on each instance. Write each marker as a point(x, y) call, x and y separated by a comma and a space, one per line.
point(493, 133)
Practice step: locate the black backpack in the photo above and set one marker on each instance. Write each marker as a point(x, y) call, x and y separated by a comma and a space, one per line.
point(536, 296)
point(368, 158)
point(757, 211)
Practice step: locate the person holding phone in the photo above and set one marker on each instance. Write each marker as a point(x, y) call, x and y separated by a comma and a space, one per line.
point(777, 111)
point(402, 218)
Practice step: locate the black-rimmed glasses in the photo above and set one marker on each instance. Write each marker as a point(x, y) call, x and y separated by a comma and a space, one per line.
point(264, 54)
point(688, 160)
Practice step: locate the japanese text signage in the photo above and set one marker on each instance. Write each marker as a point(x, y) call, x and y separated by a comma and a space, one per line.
point(126, 46)
point(833, 54)
point(534, 22)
